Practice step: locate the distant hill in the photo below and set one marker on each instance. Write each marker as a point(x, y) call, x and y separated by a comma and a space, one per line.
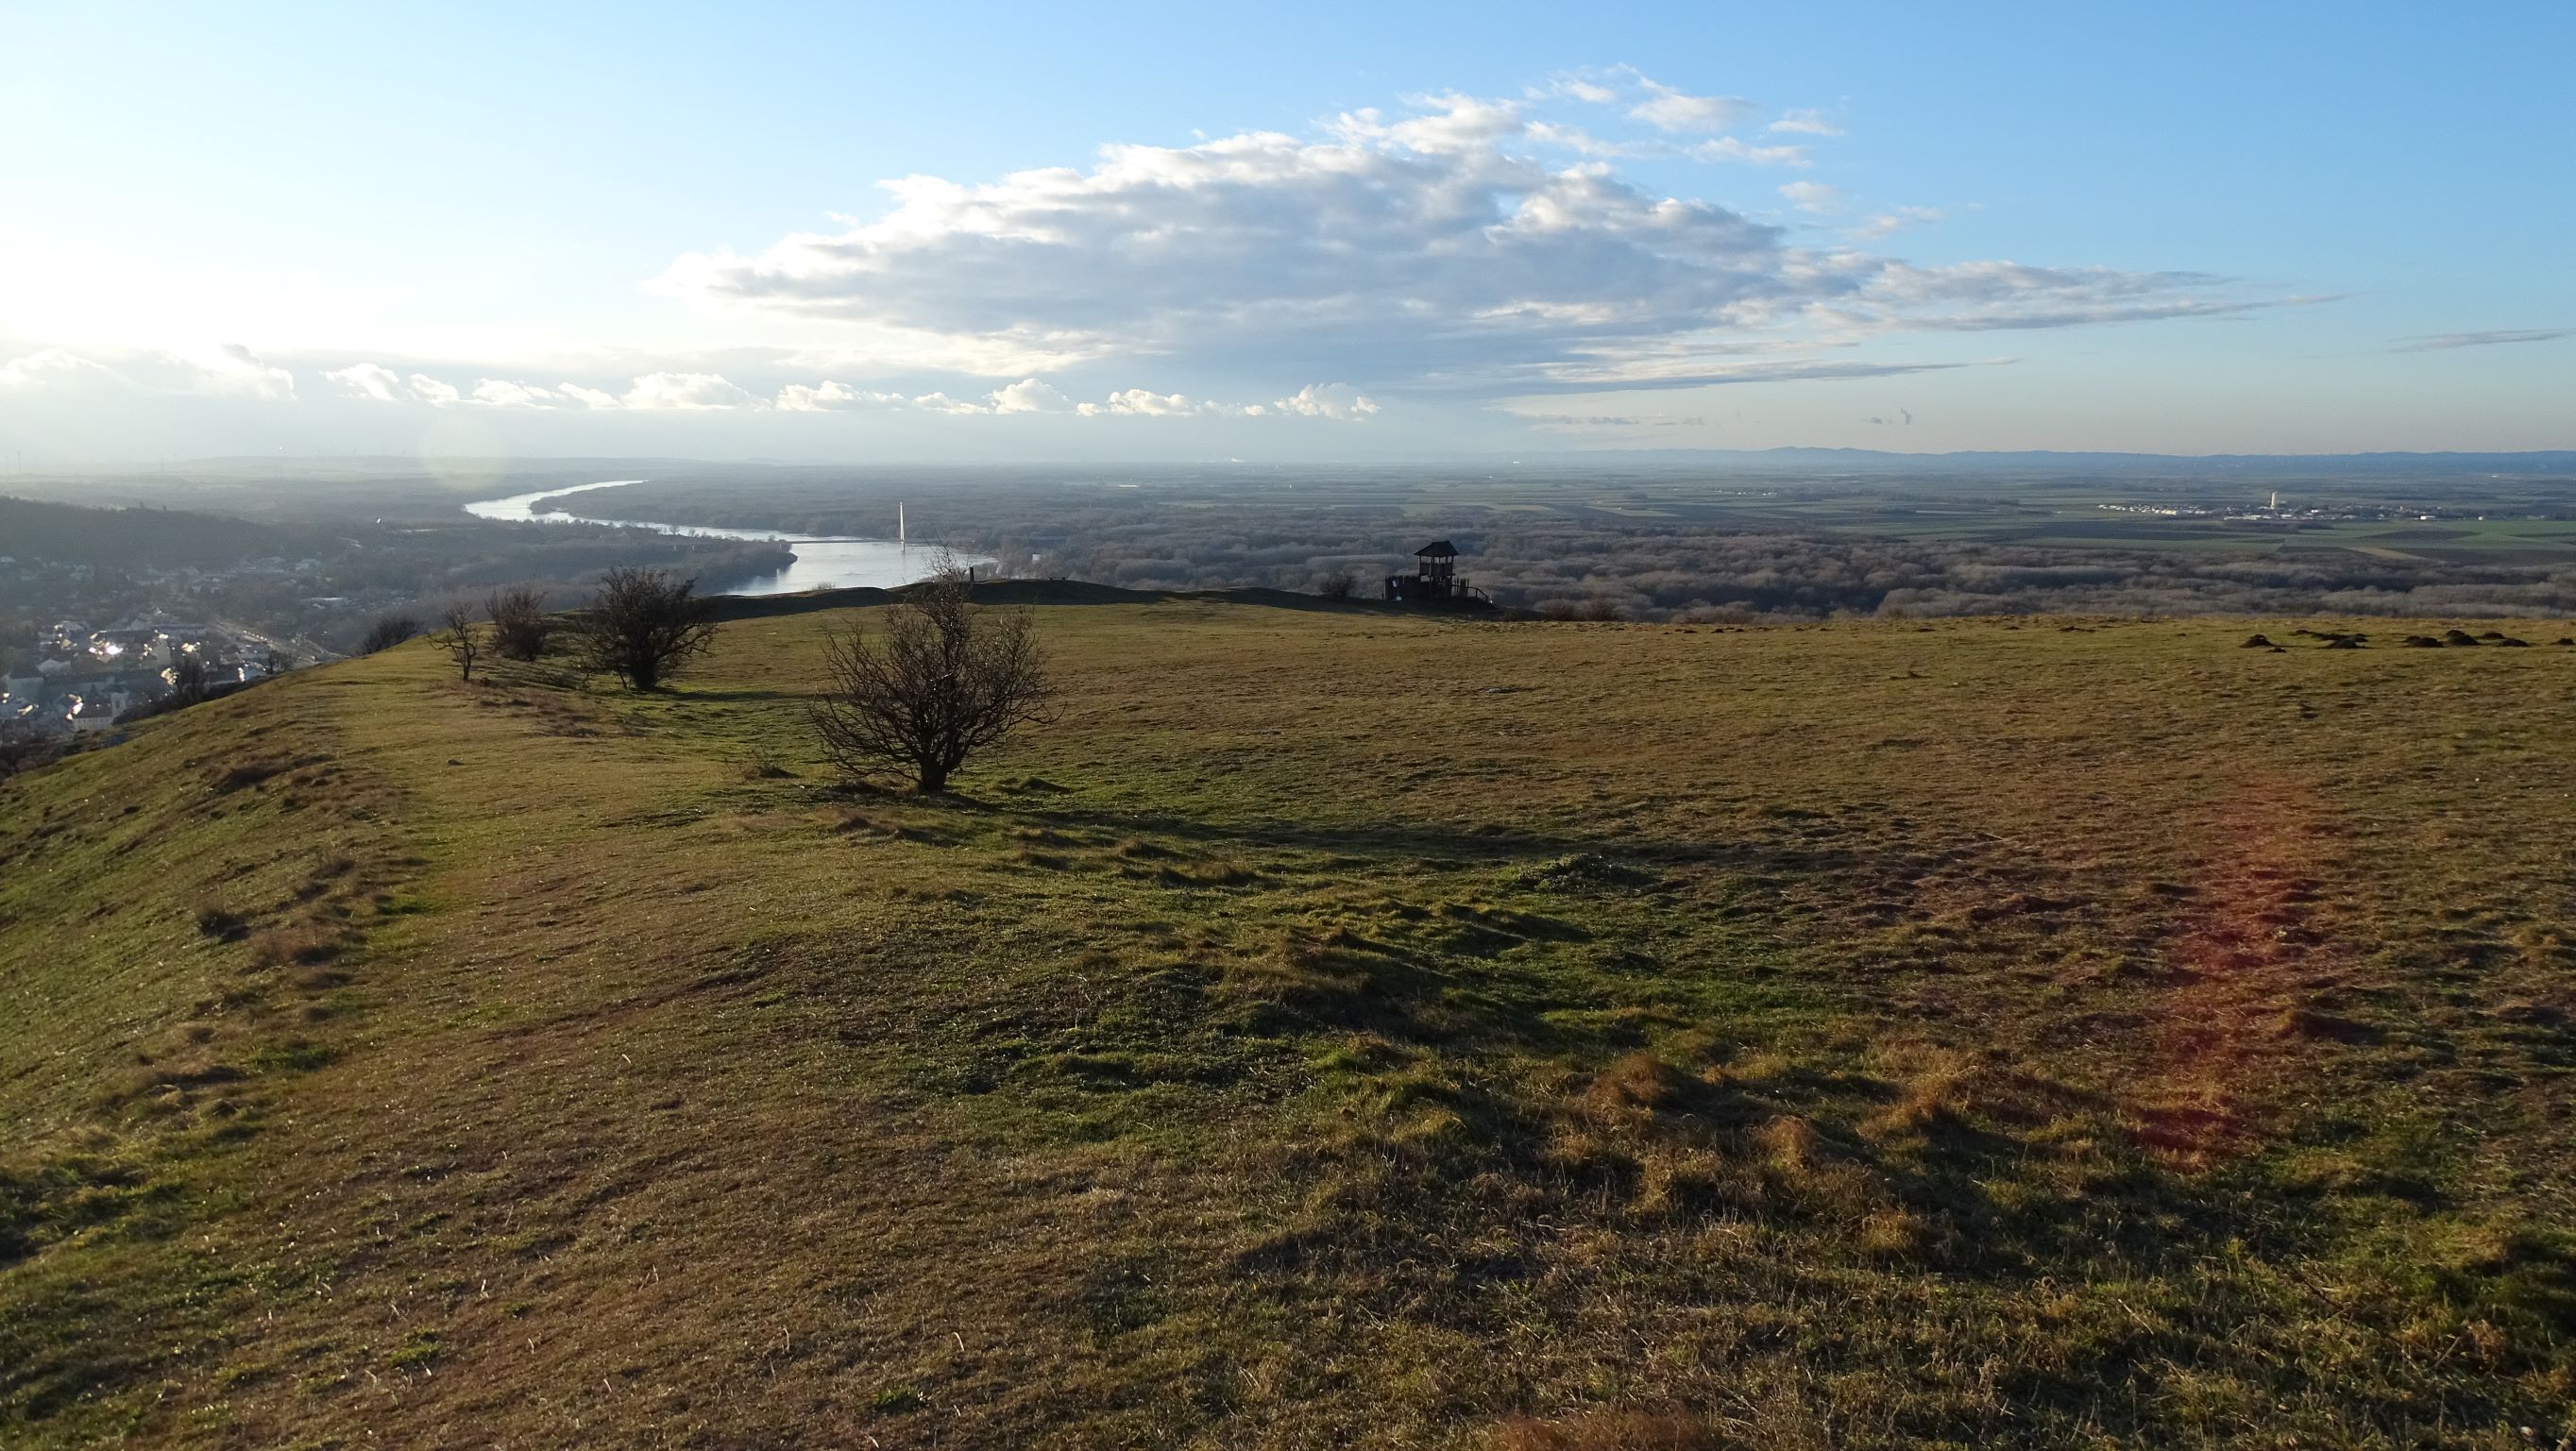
point(1860, 460)
point(71, 534)
point(1338, 1027)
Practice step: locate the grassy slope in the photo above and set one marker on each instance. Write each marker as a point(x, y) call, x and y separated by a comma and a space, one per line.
point(1342, 1029)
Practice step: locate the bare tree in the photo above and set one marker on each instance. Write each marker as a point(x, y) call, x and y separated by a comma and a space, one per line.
point(22, 748)
point(644, 625)
point(520, 625)
point(387, 631)
point(190, 678)
point(945, 678)
point(456, 636)
point(1337, 585)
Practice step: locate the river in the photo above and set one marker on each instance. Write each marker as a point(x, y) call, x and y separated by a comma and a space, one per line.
point(821, 562)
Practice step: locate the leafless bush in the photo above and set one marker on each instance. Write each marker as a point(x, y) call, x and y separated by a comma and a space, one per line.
point(387, 631)
point(946, 679)
point(1337, 585)
point(520, 625)
point(22, 748)
point(644, 625)
point(457, 637)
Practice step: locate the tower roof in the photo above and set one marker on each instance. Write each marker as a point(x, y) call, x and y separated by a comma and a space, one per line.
point(1437, 549)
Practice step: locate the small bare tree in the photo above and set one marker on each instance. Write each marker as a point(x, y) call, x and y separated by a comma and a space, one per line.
point(387, 631)
point(456, 636)
point(1337, 585)
point(520, 625)
point(945, 678)
point(644, 625)
point(22, 747)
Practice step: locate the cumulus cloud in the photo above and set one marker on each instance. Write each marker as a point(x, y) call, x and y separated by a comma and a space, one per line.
point(1455, 247)
point(686, 391)
point(227, 370)
point(1150, 404)
point(831, 397)
point(54, 365)
point(370, 380)
point(502, 393)
point(1327, 400)
point(234, 371)
point(653, 391)
point(1030, 395)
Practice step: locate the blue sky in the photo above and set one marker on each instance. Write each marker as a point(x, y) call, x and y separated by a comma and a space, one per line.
point(1346, 231)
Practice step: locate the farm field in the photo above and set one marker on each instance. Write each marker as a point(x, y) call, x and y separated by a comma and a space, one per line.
point(1339, 1028)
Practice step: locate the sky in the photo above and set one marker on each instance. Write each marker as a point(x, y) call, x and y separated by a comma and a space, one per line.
point(1336, 231)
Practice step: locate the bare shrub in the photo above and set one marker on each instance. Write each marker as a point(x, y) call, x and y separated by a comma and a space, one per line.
point(1338, 585)
point(644, 625)
point(387, 631)
point(457, 637)
point(219, 921)
point(22, 748)
point(946, 679)
point(520, 625)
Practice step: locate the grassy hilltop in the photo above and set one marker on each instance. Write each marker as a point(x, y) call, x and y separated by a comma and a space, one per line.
point(1341, 1029)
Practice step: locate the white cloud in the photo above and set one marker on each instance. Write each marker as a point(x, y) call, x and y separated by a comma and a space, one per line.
point(686, 391)
point(501, 393)
point(1805, 123)
point(1436, 250)
point(378, 383)
point(433, 392)
point(370, 380)
point(1813, 196)
point(1327, 400)
point(831, 397)
point(1896, 219)
point(54, 365)
point(653, 391)
point(1150, 404)
point(233, 371)
point(227, 370)
point(1667, 109)
point(1728, 148)
point(1030, 395)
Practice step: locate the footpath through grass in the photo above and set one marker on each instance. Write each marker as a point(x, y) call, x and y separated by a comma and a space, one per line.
point(1341, 1029)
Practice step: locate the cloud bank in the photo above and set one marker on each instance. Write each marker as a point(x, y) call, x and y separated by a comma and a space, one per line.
point(1467, 243)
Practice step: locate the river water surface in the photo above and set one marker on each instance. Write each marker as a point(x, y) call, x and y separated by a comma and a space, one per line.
point(822, 562)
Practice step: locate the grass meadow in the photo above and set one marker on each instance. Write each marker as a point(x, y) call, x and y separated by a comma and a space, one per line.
point(1340, 1028)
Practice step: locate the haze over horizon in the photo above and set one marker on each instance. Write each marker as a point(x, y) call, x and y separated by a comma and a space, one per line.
point(812, 236)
